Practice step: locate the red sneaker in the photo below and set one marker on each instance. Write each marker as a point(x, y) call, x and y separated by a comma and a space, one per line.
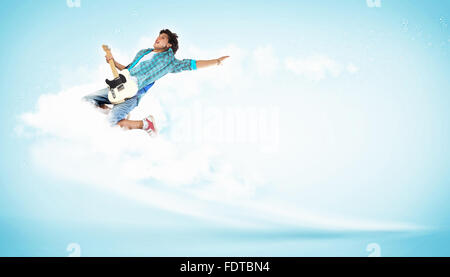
point(151, 129)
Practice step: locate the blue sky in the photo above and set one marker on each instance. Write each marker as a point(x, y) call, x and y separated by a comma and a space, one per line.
point(356, 99)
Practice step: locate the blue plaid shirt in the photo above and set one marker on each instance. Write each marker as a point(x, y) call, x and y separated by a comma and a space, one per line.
point(147, 72)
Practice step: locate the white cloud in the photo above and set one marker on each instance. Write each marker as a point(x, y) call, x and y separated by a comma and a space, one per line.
point(265, 61)
point(317, 67)
point(351, 68)
point(73, 141)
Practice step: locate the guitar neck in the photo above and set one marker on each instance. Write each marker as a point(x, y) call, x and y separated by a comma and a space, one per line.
point(113, 68)
point(111, 62)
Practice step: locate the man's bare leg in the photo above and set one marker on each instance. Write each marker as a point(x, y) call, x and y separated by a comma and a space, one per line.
point(130, 124)
point(147, 123)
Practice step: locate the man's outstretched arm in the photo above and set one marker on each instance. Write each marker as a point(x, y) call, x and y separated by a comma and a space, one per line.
point(191, 64)
point(206, 63)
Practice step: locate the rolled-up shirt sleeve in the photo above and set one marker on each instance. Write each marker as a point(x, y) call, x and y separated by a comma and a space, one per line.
point(182, 65)
point(193, 64)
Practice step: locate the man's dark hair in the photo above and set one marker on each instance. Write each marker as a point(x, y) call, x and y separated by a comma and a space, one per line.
point(173, 39)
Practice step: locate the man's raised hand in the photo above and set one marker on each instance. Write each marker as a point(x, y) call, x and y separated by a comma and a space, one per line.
point(219, 60)
point(109, 57)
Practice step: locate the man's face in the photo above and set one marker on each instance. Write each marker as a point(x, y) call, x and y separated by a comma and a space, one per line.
point(162, 42)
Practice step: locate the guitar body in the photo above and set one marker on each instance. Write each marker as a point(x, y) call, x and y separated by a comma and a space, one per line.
point(121, 88)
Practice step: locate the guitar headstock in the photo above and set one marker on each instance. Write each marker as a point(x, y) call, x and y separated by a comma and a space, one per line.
point(106, 48)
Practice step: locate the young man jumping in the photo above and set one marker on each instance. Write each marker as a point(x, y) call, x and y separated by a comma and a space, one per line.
point(148, 66)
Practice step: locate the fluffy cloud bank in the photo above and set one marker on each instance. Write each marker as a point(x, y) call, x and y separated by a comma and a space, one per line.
point(73, 141)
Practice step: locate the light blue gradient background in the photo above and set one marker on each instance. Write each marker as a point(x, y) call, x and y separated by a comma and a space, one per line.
point(42, 40)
